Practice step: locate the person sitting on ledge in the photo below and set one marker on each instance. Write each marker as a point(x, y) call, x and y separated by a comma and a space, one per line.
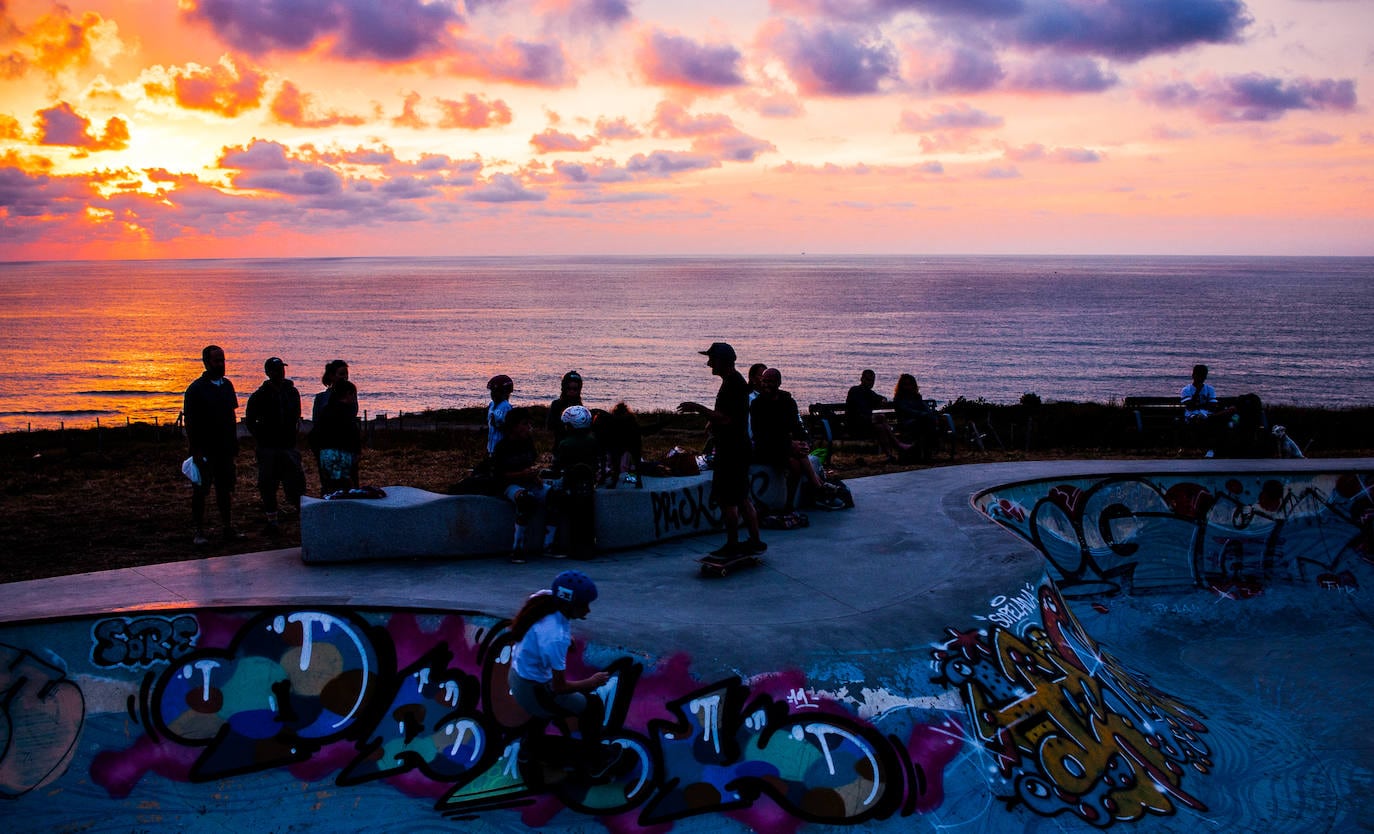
point(517, 466)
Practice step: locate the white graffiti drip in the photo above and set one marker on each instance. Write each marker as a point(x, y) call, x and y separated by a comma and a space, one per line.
point(205, 667)
point(451, 693)
point(421, 679)
point(756, 721)
point(820, 731)
point(511, 768)
point(707, 711)
point(461, 731)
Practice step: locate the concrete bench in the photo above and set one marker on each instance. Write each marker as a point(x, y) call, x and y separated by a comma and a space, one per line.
point(411, 522)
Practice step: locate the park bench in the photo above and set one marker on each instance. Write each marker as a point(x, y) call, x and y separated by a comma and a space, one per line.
point(826, 422)
point(1159, 420)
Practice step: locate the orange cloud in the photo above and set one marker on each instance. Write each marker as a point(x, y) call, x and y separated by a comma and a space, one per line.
point(227, 89)
point(10, 128)
point(57, 41)
point(409, 116)
point(62, 125)
point(293, 107)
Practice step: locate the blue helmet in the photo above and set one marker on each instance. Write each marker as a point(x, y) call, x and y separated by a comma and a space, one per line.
point(575, 587)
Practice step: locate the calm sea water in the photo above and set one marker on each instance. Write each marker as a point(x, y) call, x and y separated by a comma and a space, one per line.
point(112, 340)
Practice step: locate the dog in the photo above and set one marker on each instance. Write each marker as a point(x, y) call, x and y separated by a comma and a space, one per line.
point(1287, 448)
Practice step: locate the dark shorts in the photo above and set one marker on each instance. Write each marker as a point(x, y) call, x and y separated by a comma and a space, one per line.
point(729, 480)
point(218, 472)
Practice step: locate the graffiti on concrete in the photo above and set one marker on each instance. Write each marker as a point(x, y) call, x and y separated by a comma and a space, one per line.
point(414, 707)
point(121, 641)
point(421, 703)
point(1230, 532)
point(686, 509)
point(1067, 728)
point(40, 719)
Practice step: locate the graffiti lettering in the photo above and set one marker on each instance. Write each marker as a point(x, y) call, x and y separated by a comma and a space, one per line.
point(120, 641)
point(1071, 733)
point(1007, 613)
point(1115, 534)
point(688, 508)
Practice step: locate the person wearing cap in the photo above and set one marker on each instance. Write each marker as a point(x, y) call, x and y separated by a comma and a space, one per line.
point(729, 426)
point(500, 387)
point(538, 677)
point(569, 394)
point(273, 417)
point(210, 410)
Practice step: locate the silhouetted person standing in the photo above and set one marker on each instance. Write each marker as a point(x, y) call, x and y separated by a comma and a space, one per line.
point(729, 425)
point(273, 416)
point(211, 413)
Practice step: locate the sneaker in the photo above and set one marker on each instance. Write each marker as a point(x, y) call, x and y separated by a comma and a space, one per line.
point(728, 551)
point(1210, 454)
point(517, 558)
point(200, 539)
point(232, 535)
point(752, 546)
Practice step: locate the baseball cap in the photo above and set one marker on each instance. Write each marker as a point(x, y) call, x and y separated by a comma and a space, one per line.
point(273, 362)
point(719, 350)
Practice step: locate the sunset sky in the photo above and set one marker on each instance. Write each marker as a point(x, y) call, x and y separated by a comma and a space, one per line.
point(215, 128)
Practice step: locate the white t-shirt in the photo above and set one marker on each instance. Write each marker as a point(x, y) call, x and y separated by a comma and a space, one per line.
point(543, 649)
point(496, 424)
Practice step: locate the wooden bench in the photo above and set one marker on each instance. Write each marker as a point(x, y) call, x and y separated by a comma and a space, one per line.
point(826, 422)
point(1160, 419)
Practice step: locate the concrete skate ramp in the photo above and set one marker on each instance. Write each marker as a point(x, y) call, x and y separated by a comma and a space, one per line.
point(1155, 646)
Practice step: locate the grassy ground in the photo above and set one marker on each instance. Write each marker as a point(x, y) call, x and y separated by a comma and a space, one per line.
point(87, 500)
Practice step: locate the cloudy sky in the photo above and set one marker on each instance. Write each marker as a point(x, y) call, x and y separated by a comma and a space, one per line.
point(209, 128)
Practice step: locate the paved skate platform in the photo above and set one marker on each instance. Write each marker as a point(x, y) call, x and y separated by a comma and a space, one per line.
point(1145, 645)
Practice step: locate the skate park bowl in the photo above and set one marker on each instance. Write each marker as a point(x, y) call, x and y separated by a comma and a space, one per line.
point(1144, 646)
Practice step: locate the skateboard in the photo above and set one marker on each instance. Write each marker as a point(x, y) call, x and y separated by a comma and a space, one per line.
point(724, 566)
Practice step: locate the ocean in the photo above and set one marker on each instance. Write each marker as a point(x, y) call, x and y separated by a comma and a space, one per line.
point(120, 340)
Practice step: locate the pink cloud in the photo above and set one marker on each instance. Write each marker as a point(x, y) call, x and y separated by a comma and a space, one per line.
point(671, 119)
point(832, 60)
point(670, 60)
point(1253, 97)
point(62, 125)
point(512, 61)
point(373, 30)
point(473, 113)
point(553, 141)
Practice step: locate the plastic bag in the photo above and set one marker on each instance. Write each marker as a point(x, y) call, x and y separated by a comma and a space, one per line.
point(191, 471)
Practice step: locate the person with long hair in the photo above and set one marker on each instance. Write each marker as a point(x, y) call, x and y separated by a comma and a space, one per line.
point(335, 434)
point(542, 630)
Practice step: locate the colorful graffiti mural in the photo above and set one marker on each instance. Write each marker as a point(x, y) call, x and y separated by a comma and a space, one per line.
point(415, 703)
point(1235, 533)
